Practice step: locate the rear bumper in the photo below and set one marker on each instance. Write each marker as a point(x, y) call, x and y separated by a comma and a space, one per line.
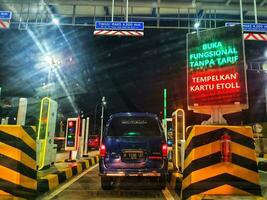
point(122, 174)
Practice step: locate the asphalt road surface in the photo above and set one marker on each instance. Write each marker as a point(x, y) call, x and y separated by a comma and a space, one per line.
point(87, 186)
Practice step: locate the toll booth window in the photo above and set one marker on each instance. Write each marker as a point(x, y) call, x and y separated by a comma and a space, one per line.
point(134, 126)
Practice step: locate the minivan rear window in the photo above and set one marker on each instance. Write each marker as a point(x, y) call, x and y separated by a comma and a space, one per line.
point(134, 126)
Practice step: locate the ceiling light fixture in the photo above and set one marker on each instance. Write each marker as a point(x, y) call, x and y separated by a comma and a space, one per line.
point(197, 25)
point(55, 21)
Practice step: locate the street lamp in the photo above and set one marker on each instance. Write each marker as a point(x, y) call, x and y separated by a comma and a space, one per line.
point(95, 117)
point(103, 104)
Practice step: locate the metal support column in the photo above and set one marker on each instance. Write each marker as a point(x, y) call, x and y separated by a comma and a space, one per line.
point(255, 12)
point(86, 136)
point(112, 11)
point(127, 10)
point(102, 119)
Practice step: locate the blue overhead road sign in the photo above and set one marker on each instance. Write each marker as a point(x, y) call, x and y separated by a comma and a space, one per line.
point(5, 15)
point(106, 25)
point(250, 27)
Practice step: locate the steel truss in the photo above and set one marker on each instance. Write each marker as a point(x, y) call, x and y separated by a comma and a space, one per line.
point(180, 15)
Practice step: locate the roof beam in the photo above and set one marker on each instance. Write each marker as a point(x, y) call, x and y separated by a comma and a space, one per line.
point(106, 10)
point(228, 2)
point(147, 4)
point(263, 2)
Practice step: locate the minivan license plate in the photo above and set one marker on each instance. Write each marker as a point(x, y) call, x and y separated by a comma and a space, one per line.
point(133, 155)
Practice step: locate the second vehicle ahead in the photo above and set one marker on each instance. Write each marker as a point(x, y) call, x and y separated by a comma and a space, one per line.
point(93, 141)
point(133, 144)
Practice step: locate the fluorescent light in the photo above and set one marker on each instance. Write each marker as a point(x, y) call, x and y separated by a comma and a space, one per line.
point(197, 25)
point(55, 21)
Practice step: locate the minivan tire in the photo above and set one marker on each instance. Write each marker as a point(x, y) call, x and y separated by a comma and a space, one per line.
point(162, 181)
point(105, 183)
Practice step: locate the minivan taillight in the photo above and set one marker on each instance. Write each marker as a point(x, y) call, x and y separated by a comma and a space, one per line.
point(164, 149)
point(102, 150)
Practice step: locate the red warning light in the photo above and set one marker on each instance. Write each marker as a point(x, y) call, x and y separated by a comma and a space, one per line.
point(70, 123)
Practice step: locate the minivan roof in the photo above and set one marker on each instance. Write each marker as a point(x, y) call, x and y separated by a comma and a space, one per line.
point(136, 114)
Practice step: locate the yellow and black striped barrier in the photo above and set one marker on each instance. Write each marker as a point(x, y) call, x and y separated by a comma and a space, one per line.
point(206, 173)
point(52, 180)
point(18, 161)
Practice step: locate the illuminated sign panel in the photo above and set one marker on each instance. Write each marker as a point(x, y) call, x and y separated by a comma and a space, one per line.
point(215, 68)
point(72, 134)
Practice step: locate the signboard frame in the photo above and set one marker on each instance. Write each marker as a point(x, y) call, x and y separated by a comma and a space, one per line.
point(240, 67)
point(5, 15)
point(250, 27)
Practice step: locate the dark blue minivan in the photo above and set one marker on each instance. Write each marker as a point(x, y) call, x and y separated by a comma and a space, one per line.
point(133, 144)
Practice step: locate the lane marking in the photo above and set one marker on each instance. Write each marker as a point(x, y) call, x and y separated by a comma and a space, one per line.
point(167, 194)
point(66, 185)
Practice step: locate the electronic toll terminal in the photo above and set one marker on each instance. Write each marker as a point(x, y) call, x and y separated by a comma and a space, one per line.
point(215, 158)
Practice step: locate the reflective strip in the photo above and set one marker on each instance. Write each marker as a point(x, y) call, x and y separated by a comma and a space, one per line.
point(202, 151)
point(119, 33)
point(226, 190)
point(97, 159)
point(133, 174)
point(4, 24)
point(87, 164)
point(17, 178)
point(68, 172)
point(255, 36)
point(200, 130)
point(174, 178)
point(17, 155)
point(221, 168)
point(18, 132)
point(119, 174)
point(52, 180)
point(243, 151)
point(92, 161)
point(79, 168)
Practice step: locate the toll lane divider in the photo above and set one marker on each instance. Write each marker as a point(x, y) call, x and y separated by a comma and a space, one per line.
point(206, 174)
point(50, 181)
point(262, 161)
point(18, 161)
point(175, 180)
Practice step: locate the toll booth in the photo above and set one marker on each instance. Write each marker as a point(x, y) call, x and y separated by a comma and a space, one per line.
point(178, 121)
point(46, 149)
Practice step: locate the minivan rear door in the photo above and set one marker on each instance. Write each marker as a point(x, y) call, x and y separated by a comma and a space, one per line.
point(131, 142)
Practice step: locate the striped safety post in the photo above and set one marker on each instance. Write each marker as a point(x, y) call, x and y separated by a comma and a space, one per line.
point(119, 33)
point(220, 167)
point(52, 180)
point(18, 175)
